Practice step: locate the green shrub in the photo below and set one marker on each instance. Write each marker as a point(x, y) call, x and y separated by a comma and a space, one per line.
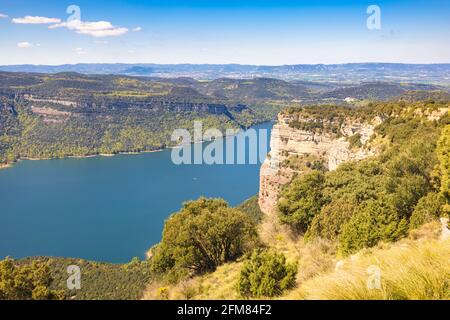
point(377, 220)
point(355, 141)
point(266, 274)
point(443, 153)
point(203, 235)
point(427, 209)
point(302, 200)
point(329, 222)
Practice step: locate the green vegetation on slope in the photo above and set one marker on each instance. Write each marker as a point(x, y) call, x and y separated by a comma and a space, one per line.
point(203, 235)
point(360, 209)
point(443, 151)
point(29, 281)
point(69, 114)
point(363, 203)
point(251, 208)
point(413, 268)
point(46, 278)
point(101, 281)
point(266, 274)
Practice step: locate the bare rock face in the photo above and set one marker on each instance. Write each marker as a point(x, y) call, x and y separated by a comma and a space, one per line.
point(286, 141)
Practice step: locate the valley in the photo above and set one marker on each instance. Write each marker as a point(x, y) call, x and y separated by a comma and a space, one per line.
point(69, 114)
point(354, 173)
point(216, 159)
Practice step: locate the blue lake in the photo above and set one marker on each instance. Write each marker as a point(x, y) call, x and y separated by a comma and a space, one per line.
point(107, 208)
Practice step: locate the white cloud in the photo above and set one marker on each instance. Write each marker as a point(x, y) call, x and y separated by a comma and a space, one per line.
point(101, 42)
point(95, 29)
point(131, 51)
point(24, 45)
point(80, 51)
point(35, 20)
point(2, 16)
point(137, 29)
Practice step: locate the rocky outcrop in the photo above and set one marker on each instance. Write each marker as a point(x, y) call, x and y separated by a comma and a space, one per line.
point(287, 141)
point(445, 231)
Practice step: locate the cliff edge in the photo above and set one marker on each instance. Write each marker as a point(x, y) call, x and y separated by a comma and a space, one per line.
point(307, 136)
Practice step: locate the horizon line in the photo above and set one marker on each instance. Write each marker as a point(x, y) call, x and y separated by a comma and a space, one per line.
point(222, 64)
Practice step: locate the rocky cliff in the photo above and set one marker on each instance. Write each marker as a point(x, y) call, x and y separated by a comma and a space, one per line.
point(332, 147)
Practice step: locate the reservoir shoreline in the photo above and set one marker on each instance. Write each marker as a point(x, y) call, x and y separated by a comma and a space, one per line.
point(94, 155)
point(108, 209)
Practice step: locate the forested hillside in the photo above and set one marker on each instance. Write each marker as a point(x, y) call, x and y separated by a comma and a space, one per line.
point(70, 114)
point(47, 116)
point(44, 278)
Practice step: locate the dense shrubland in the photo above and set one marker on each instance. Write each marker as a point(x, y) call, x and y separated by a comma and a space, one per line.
point(46, 278)
point(27, 136)
point(99, 280)
point(29, 281)
point(380, 198)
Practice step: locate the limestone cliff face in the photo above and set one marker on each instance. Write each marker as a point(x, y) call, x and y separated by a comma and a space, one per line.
point(287, 141)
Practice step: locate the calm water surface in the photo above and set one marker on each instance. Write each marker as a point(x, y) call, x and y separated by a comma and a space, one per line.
point(106, 208)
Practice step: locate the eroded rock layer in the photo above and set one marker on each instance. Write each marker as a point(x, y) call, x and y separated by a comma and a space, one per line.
point(287, 141)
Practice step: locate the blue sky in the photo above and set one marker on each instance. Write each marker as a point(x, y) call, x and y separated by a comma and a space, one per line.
point(215, 31)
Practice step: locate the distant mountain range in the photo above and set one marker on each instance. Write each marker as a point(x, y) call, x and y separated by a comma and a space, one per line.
point(351, 72)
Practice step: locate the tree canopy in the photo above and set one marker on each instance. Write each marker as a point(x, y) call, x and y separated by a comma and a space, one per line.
point(26, 281)
point(200, 237)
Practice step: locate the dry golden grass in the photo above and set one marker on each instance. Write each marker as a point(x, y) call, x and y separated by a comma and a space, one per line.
point(312, 258)
point(218, 285)
point(428, 231)
point(415, 268)
point(408, 270)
